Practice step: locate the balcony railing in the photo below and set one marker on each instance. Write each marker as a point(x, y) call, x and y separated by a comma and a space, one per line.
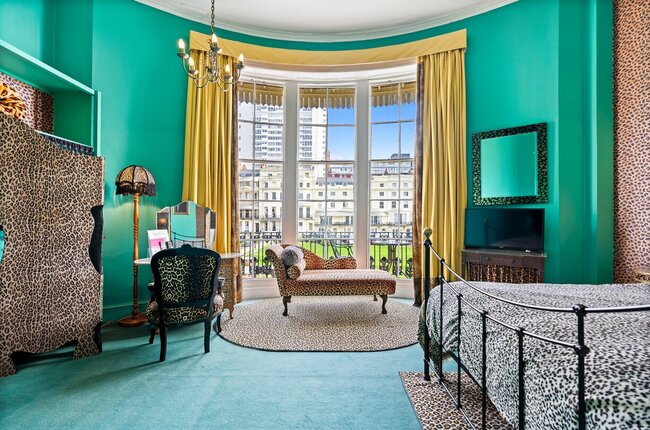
point(390, 252)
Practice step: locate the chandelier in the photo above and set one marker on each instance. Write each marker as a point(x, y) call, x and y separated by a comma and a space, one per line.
point(224, 77)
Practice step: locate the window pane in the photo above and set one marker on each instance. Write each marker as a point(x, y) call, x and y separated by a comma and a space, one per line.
point(406, 176)
point(313, 105)
point(269, 181)
point(268, 142)
point(311, 181)
point(245, 138)
point(312, 144)
point(269, 104)
point(384, 103)
point(246, 180)
point(245, 98)
point(385, 141)
point(340, 143)
point(408, 139)
point(248, 214)
point(407, 110)
point(340, 181)
point(340, 103)
point(383, 174)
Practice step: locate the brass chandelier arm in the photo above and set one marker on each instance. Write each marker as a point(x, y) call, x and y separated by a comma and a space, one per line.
point(213, 71)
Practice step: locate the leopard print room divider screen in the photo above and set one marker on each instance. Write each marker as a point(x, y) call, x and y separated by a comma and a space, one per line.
point(50, 273)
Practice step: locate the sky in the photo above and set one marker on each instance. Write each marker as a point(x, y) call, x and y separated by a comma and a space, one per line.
point(384, 137)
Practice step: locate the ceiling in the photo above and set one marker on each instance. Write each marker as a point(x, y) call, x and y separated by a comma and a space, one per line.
point(327, 20)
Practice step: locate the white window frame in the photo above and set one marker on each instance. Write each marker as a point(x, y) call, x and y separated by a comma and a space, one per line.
point(362, 80)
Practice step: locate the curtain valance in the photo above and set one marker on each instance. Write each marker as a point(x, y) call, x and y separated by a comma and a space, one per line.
point(298, 57)
point(333, 98)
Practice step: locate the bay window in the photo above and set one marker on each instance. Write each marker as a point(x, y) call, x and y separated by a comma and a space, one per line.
point(334, 176)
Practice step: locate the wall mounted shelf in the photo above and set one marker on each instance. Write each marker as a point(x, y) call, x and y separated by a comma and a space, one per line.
point(76, 106)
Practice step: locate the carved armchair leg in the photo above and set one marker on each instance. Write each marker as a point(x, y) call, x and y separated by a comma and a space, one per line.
point(153, 334)
point(384, 299)
point(285, 301)
point(374, 297)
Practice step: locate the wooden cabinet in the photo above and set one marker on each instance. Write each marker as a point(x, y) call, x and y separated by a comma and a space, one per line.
point(498, 265)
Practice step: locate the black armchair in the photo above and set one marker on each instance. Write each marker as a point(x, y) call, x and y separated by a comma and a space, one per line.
point(186, 291)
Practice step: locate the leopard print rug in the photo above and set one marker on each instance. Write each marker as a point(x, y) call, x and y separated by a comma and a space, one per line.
point(349, 323)
point(435, 409)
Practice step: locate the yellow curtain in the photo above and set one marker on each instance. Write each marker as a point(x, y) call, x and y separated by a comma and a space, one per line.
point(207, 175)
point(444, 167)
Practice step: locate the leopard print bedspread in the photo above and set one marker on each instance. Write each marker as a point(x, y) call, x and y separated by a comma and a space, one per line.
point(617, 367)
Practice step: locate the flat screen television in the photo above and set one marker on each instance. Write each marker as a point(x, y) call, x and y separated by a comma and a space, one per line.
point(519, 229)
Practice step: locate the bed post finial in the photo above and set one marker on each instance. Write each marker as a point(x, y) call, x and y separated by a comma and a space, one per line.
point(428, 232)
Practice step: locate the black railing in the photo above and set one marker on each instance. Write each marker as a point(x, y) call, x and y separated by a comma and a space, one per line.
point(389, 251)
point(579, 348)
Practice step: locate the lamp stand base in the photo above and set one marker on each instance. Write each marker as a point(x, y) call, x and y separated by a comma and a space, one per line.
point(134, 320)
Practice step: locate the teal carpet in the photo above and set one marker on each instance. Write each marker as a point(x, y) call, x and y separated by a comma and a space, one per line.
point(232, 386)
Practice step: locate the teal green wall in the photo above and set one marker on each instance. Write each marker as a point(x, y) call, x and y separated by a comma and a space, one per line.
point(143, 122)
point(23, 23)
point(531, 61)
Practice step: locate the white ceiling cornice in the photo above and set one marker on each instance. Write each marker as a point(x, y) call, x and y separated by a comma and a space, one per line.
point(201, 15)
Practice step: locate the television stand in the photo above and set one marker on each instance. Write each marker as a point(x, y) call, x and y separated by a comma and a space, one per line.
point(501, 265)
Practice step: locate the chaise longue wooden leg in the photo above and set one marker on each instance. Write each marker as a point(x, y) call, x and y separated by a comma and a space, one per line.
point(374, 297)
point(384, 299)
point(285, 300)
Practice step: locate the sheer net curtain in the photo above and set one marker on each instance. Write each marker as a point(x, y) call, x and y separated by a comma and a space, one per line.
point(440, 160)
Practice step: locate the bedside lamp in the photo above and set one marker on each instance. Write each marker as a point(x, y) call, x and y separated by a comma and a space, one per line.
point(138, 181)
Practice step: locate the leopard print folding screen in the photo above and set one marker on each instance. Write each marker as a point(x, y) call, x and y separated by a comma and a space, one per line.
point(50, 272)
point(632, 137)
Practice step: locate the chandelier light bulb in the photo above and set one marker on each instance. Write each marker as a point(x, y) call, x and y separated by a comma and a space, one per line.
point(190, 63)
point(241, 58)
point(181, 45)
point(214, 40)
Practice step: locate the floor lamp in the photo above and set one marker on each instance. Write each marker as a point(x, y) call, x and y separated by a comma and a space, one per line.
point(138, 181)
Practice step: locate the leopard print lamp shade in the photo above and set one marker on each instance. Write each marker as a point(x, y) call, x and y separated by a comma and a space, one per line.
point(11, 103)
point(135, 180)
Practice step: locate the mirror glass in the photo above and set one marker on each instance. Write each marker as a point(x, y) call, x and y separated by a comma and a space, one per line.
point(188, 223)
point(514, 159)
point(510, 165)
point(2, 243)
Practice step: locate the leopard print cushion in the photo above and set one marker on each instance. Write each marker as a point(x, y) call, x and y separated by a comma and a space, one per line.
point(617, 367)
point(183, 315)
point(296, 270)
point(312, 262)
point(341, 283)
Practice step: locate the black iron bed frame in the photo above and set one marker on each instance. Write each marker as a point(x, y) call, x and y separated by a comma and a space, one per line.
point(580, 349)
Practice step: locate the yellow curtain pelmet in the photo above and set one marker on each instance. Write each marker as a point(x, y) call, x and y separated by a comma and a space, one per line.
point(298, 57)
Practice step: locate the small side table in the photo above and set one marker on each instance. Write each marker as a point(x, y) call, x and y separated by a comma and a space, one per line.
point(641, 275)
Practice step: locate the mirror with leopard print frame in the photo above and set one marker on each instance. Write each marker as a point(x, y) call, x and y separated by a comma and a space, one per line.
point(188, 223)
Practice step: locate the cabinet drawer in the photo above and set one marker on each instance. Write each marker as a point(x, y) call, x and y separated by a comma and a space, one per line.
point(502, 260)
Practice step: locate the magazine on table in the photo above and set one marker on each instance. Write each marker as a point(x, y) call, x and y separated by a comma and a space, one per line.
point(158, 240)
